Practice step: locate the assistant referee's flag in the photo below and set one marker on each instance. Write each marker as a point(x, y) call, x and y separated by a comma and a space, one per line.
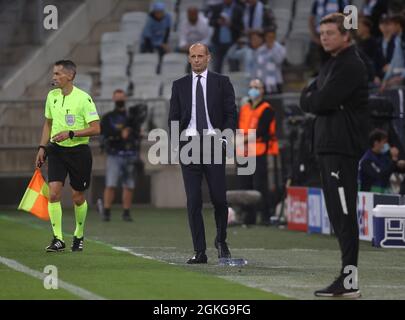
point(35, 199)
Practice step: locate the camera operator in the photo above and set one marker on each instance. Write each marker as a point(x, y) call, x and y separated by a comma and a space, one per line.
point(121, 139)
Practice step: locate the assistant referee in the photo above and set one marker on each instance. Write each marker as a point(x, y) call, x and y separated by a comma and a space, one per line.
point(71, 118)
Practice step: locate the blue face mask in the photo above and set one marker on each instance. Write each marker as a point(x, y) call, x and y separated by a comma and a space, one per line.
point(385, 148)
point(253, 93)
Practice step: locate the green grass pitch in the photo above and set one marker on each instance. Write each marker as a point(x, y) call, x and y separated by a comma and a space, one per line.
point(281, 264)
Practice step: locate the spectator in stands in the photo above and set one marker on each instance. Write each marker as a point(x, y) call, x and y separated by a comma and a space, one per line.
point(119, 141)
point(227, 21)
point(256, 16)
point(385, 47)
point(258, 114)
point(243, 56)
point(270, 57)
point(374, 10)
point(395, 74)
point(209, 4)
point(320, 8)
point(156, 32)
point(368, 47)
point(378, 163)
point(194, 29)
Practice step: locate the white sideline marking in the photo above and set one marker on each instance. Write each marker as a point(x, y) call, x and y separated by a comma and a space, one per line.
point(80, 292)
point(128, 250)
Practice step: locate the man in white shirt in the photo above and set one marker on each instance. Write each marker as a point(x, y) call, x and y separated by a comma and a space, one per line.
point(200, 103)
point(194, 29)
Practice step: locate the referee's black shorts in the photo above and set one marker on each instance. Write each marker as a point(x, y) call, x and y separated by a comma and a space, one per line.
point(75, 161)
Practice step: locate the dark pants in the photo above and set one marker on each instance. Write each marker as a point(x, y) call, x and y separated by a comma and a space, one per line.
point(219, 53)
point(215, 176)
point(258, 181)
point(339, 184)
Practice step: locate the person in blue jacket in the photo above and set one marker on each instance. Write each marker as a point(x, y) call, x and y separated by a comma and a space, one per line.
point(156, 32)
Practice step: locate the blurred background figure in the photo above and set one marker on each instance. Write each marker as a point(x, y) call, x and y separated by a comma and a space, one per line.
point(155, 34)
point(193, 29)
point(259, 115)
point(227, 21)
point(242, 56)
point(395, 74)
point(367, 46)
point(385, 47)
point(256, 16)
point(120, 141)
point(374, 10)
point(270, 57)
point(379, 163)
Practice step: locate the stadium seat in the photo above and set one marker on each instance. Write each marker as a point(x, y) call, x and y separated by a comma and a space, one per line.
point(300, 27)
point(303, 6)
point(282, 4)
point(141, 58)
point(174, 64)
point(240, 82)
point(131, 26)
point(147, 89)
point(144, 64)
point(107, 88)
point(113, 48)
point(133, 21)
point(84, 82)
point(297, 48)
point(167, 90)
point(113, 71)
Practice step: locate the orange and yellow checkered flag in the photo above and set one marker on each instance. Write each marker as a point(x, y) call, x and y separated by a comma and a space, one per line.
point(35, 199)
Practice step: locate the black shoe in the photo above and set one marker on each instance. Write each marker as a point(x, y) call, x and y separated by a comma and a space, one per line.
point(77, 244)
point(56, 245)
point(223, 250)
point(200, 257)
point(106, 217)
point(127, 217)
point(338, 290)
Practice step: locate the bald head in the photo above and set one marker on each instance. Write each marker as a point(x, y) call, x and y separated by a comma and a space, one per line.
point(199, 45)
point(199, 57)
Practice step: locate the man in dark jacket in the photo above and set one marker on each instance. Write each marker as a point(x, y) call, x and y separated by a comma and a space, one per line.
point(121, 141)
point(338, 98)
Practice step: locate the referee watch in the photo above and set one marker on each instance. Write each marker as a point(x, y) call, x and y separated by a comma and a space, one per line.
point(71, 134)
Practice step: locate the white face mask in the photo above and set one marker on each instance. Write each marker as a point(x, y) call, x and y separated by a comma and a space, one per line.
point(253, 93)
point(385, 148)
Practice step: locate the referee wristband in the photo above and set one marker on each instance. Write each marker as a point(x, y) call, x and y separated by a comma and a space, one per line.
point(71, 134)
point(42, 147)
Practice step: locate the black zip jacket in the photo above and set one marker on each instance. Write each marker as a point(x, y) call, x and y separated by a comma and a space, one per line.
point(338, 98)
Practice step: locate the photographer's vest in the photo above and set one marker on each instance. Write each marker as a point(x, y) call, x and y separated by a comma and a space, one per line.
point(249, 119)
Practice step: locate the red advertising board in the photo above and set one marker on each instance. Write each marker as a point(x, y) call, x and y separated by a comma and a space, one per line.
point(297, 208)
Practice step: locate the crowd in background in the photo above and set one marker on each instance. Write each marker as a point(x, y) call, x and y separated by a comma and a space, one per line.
point(242, 35)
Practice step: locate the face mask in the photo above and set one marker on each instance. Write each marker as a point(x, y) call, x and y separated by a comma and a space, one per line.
point(385, 148)
point(120, 105)
point(253, 93)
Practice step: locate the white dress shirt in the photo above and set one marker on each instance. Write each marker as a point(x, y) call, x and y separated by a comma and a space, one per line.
point(192, 126)
point(193, 33)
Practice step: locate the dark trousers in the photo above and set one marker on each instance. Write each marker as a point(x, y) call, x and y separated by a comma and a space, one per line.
point(219, 53)
point(215, 176)
point(258, 181)
point(339, 184)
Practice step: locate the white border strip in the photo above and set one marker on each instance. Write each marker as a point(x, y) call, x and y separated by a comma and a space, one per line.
point(80, 292)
